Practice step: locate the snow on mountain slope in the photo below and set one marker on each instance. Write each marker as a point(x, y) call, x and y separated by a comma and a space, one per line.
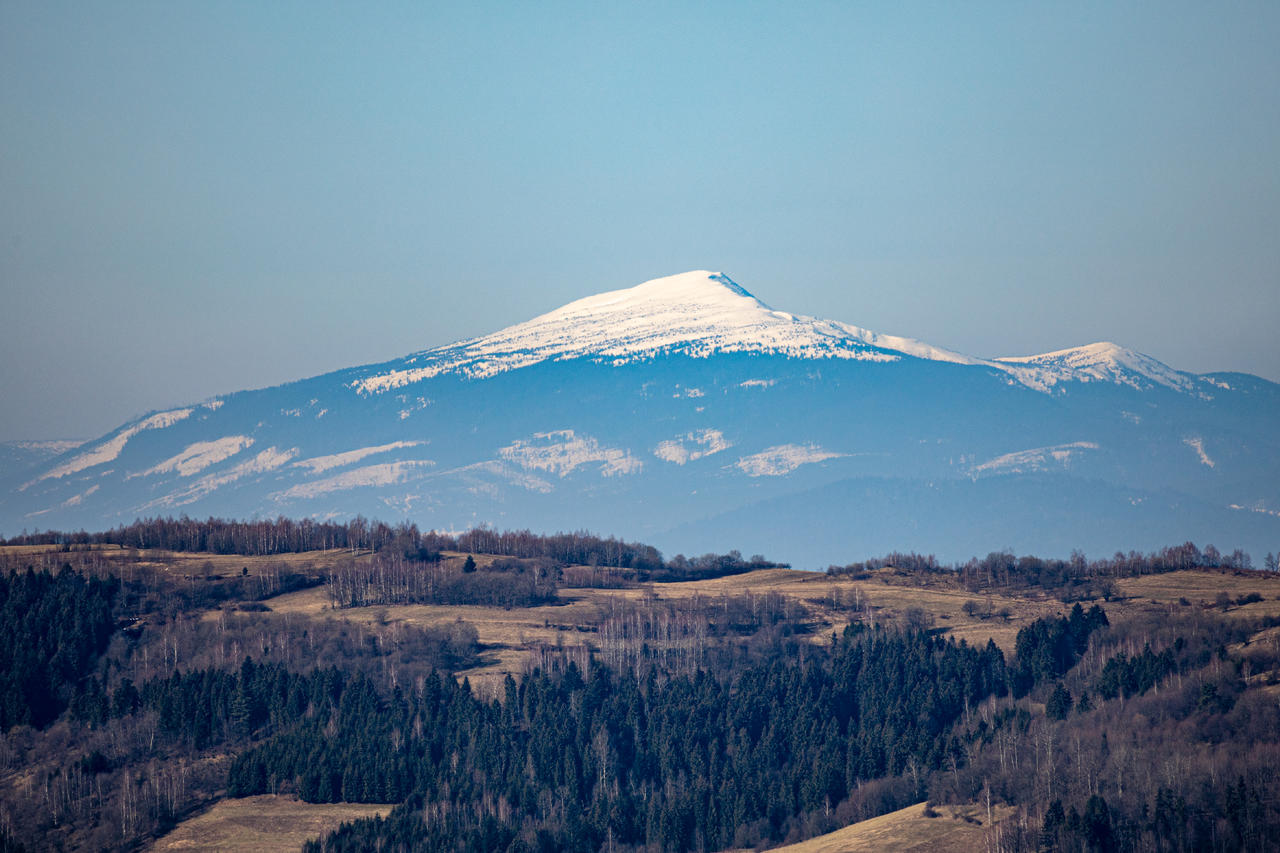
point(199, 456)
point(783, 459)
point(268, 460)
point(319, 464)
point(635, 411)
point(1035, 459)
point(1104, 362)
point(385, 474)
point(697, 313)
point(110, 449)
point(701, 313)
point(692, 446)
point(563, 451)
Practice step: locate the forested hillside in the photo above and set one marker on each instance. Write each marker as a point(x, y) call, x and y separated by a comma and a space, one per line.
point(54, 626)
point(644, 703)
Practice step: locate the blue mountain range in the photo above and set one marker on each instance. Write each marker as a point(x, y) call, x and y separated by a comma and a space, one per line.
point(687, 413)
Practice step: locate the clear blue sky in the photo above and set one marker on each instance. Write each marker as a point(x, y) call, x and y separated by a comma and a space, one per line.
point(197, 198)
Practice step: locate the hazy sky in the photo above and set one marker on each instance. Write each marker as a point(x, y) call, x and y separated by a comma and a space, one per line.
point(197, 198)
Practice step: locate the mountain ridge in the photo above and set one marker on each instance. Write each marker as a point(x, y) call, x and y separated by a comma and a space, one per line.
point(644, 410)
point(702, 312)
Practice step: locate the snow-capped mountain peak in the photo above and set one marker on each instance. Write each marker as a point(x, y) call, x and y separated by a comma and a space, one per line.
point(695, 313)
point(700, 313)
point(710, 299)
point(726, 411)
point(700, 290)
point(1108, 362)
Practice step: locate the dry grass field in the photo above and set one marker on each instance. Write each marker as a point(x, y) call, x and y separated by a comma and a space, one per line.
point(826, 598)
point(1203, 588)
point(510, 636)
point(956, 829)
point(261, 825)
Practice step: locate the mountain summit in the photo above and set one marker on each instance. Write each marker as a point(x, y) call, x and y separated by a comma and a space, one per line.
point(686, 412)
point(696, 313)
point(701, 313)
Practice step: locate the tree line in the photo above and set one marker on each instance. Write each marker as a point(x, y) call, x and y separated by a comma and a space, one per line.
point(1075, 578)
point(267, 537)
point(390, 579)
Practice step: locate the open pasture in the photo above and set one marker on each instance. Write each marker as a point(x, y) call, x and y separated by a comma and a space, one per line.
point(955, 829)
point(261, 824)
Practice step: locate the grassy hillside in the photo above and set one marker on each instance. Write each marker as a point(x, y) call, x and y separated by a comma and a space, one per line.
point(264, 824)
point(945, 829)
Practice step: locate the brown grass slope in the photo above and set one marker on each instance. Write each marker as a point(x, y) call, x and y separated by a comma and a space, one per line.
point(261, 825)
point(956, 829)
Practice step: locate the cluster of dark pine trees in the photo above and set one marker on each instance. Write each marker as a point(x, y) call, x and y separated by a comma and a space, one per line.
point(206, 707)
point(1047, 648)
point(54, 629)
point(575, 761)
point(1233, 822)
point(1133, 676)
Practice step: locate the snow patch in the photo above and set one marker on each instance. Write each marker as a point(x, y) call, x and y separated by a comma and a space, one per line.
point(1197, 444)
point(479, 485)
point(562, 451)
point(421, 404)
point(47, 449)
point(1257, 508)
point(783, 459)
point(111, 448)
point(199, 456)
point(385, 474)
point(266, 461)
point(704, 443)
point(76, 500)
point(1035, 459)
point(320, 464)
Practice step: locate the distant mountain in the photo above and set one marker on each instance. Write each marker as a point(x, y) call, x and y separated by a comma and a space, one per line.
point(20, 460)
point(690, 414)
